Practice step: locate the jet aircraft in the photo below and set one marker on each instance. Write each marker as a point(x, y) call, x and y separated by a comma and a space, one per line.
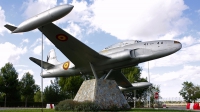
point(83, 60)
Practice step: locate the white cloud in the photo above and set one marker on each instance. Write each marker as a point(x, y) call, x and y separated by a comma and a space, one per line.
point(81, 13)
point(25, 40)
point(183, 74)
point(130, 19)
point(184, 56)
point(22, 72)
point(143, 20)
point(2, 21)
point(64, 1)
point(36, 46)
point(11, 53)
point(34, 7)
point(38, 49)
point(39, 40)
point(170, 82)
point(169, 35)
point(74, 30)
point(47, 41)
point(86, 42)
point(189, 40)
point(20, 65)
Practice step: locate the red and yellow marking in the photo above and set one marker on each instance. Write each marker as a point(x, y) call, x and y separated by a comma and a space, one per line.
point(62, 37)
point(66, 65)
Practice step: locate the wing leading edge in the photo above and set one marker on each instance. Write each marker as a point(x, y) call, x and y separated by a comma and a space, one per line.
point(77, 52)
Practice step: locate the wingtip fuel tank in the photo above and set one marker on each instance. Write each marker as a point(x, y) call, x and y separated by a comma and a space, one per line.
point(42, 19)
point(136, 86)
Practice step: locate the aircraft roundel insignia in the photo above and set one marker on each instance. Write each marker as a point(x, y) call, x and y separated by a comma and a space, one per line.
point(62, 37)
point(66, 65)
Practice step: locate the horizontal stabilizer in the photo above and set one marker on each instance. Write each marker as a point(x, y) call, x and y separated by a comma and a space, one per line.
point(44, 65)
point(10, 27)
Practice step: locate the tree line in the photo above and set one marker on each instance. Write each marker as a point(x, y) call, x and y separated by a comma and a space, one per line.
point(25, 90)
point(12, 89)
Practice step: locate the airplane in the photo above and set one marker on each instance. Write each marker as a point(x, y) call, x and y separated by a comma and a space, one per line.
point(83, 60)
point(106, 64)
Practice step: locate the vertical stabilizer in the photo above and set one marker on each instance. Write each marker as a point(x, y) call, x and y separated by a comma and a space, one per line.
point(51, 58)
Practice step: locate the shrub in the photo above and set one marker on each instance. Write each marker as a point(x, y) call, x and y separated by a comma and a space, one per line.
point(76, 106)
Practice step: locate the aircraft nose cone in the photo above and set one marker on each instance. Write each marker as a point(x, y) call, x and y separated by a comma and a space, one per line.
point(178, 45)
point(144, 84)
point(71, 7)
point(148, 84)
point(68, 8)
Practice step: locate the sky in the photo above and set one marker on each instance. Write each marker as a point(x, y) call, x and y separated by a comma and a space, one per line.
point(101, 23)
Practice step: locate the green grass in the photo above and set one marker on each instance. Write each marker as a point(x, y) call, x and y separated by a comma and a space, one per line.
point(158, 110)
point(132, 110)
point(28, 110)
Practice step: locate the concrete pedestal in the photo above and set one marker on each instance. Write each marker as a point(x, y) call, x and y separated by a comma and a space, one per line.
point(104, 93)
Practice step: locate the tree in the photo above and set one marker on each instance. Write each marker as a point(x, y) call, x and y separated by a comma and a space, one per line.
point(71, 84)
point(28, 87)
point(37, 96)
point(133, 74)
point(1, 87)
point(196, 94)
point(9, 83)
point(53, 93)
point(153, 89)
point(190, 92)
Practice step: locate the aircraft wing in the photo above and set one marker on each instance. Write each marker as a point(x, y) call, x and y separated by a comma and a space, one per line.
point(77, 52)
point(119, 78)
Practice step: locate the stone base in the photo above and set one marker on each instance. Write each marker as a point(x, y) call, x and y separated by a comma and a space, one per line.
point(104, 93)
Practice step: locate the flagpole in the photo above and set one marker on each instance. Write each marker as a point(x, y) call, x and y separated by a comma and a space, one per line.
point(42, 73)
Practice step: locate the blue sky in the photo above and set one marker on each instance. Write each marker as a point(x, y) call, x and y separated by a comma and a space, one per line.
point(100, 23)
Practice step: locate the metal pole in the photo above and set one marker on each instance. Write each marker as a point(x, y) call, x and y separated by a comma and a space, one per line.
point(41, 74)
point(148, 72)
point(149, 87)
point(134, 98)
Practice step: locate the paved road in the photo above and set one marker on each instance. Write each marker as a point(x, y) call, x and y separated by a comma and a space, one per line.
point(178, 108)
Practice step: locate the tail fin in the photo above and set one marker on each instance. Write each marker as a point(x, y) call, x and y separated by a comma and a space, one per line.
point(51, 58)
point(10, 27)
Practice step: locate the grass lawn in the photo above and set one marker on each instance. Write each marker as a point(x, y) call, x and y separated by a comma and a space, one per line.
point(158, 110)
point(52, 110)
point(27, 110)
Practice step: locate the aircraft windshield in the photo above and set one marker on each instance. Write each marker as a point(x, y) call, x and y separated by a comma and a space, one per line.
point(121, 44)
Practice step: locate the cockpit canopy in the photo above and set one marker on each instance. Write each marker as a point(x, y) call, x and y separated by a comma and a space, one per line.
point(121, 44)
